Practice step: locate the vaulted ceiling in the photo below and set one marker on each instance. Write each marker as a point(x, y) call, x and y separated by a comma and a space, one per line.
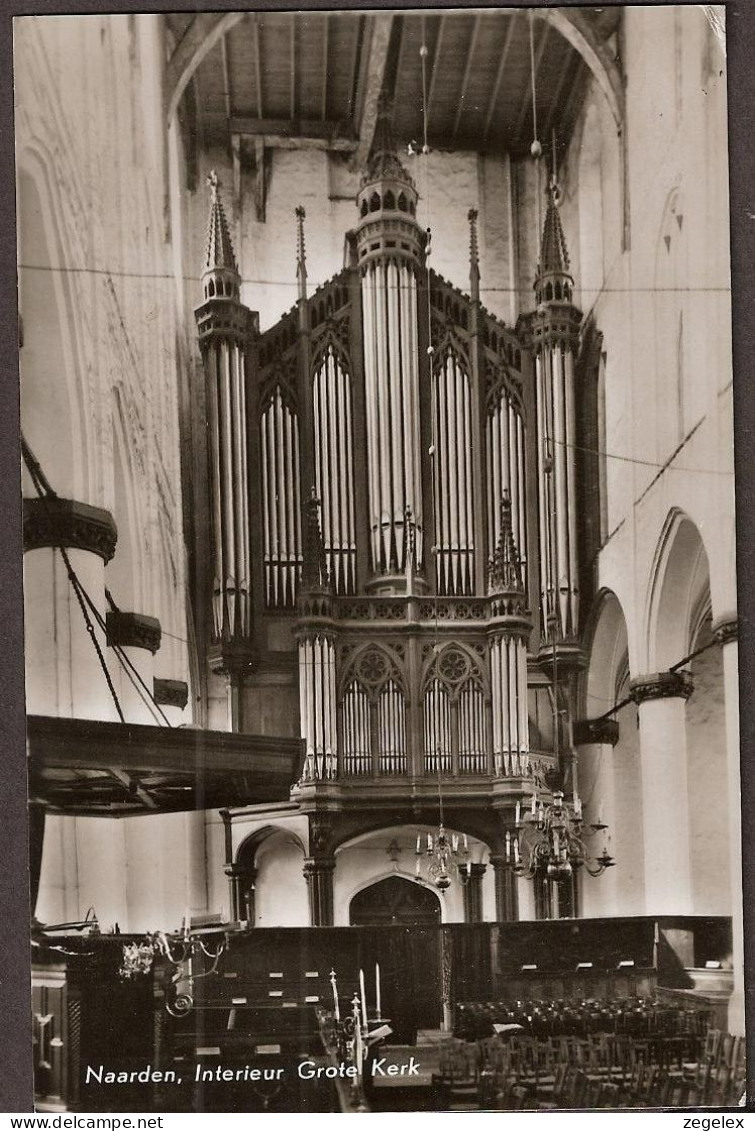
point(314, 78)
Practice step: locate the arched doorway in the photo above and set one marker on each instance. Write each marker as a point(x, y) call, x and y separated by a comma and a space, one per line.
point(395, 902)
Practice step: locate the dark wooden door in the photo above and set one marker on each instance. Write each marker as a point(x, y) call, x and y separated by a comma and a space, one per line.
point(394, 902)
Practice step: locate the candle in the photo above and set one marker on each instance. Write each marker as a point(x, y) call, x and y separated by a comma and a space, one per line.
point(508, 846)
point(363, 996)
point(419, 843)
point(466, 843)
point(518, 814)
point(336, 1010)
point(455, 842)
point(534, 803)
point(429, 843)
point(378, 1004)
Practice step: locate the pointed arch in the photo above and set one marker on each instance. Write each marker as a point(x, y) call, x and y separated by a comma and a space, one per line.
point(679, 578)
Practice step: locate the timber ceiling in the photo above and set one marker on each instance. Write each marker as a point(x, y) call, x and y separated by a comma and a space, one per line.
point(314, 78)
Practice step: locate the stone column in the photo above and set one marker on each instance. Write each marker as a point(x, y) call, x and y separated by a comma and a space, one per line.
point(318, 872)
point(661, 699)
point(595, 741)
point(473, 894)
point(64, 676)
point(725, 631)
point(525, 893)
point(506, 909)
point(136, 638)
point(236, 874)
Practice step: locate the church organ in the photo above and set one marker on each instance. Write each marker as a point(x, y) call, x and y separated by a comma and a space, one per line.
point(399, 438)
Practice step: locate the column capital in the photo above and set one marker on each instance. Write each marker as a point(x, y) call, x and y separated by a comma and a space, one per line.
point(133, 630)
point(603, 732)
point(318, 865)
point(726, 629)
point(171, 693)
point(51, 522)
point(661, 685)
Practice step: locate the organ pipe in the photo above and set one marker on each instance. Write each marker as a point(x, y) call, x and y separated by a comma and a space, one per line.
point(438, 752)
point(281, 521)
point(317, 695)
point(391, 730)
point(454, 517)
point(392, 411)
point(356, 731)
point(334, 469)
point(508, 669)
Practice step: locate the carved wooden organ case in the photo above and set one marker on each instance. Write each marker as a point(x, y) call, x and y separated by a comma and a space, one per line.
point(394, 481)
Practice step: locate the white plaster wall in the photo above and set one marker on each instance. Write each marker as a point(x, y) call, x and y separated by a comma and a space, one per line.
point(99, 359)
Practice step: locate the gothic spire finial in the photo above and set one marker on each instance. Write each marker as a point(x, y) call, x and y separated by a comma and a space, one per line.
point(474, 256)
point(301, 253)
point(505, 567)
point(314, 573)
point(220, 265)
point(384, 161)
point(553, 281)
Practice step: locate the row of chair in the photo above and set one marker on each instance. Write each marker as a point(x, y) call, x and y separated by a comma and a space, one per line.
point(602, 1070)
point(640, 1017)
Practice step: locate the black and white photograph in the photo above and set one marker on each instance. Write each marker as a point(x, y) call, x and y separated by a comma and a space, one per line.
point(380, 595)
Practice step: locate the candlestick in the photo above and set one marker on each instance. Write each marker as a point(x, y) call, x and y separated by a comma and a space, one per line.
point(336, 1010)
point(378, 1004)
point(363, 995)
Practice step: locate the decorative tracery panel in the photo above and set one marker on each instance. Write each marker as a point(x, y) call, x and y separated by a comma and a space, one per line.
point(281, 517)
point(334, 468)
point(373, 715)
point(455, 714)
point(454, 515)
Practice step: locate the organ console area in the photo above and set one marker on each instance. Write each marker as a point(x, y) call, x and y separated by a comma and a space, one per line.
point(482, 1009)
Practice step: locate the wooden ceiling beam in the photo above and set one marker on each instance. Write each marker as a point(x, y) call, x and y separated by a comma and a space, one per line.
point(292, 49)
point(325, 49)
point(133, 788)
point(500, 72)
point(257, 63)
point(202, 34)
point(467, 72)
point(371, 81)
point(283, 134)
point(226, 79)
